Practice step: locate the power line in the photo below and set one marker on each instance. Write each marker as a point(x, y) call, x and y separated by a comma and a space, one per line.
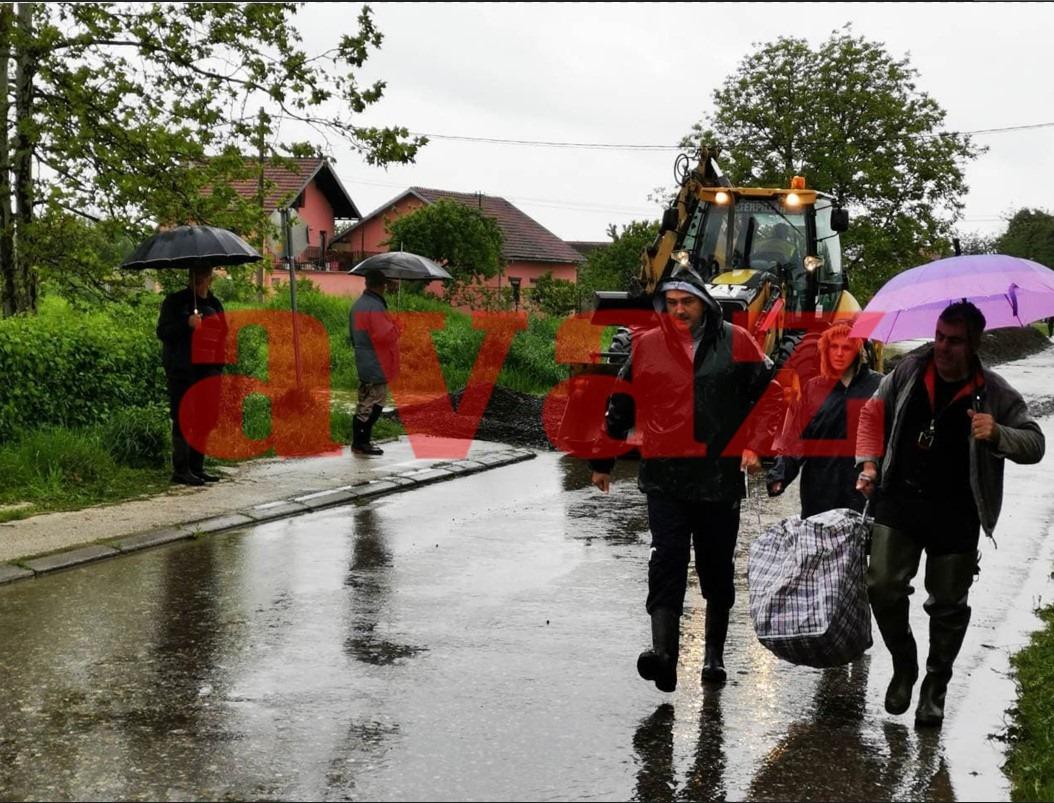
point(1009, 128)
point(610, 146)
point(549, 144)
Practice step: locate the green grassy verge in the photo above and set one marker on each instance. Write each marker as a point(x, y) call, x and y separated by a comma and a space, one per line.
point(56, 469)
point(1030, 763)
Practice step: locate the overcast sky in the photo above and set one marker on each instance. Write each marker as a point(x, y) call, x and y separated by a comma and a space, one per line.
point(636, 74)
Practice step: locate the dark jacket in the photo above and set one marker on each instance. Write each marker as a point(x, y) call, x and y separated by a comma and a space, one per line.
point(176, 335)
point(1020, 439)
point(701, 406)
point(375, 337)
point(828, 411)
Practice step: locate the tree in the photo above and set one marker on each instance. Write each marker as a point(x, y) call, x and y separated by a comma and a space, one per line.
point(973, 243)
point(140, 113)
point(850, 118)
point(612, 267)
point(1029, 234)
point(556, 297)
point(460, 237)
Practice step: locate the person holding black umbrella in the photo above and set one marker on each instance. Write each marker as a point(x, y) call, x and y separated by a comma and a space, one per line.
point(183, 313)
point(375, 337)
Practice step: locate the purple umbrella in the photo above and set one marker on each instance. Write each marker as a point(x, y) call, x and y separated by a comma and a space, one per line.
point(1009, 291)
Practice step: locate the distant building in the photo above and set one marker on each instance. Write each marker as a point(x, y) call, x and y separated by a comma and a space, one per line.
point(530, 250)
point(319, 205)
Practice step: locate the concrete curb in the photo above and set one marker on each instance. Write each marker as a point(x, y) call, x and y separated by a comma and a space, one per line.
point(295, 505)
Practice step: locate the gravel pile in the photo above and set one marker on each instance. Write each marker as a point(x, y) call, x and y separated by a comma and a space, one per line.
point(513, 418)
point(999, 345)
point(510, 417)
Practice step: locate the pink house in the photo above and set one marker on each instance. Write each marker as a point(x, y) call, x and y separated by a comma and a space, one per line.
point(530, 250)
point(317, 200)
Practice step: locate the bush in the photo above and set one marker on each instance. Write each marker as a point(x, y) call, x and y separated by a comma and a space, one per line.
point(139, 437)
point(554, 296)
point(530, 366)
point(74, 369)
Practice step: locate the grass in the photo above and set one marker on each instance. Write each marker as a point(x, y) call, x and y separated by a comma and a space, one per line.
point(56, 469)
point(1030, 763)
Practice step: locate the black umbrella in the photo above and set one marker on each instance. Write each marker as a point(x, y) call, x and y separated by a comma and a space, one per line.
point(192, 247)
point(401, 265)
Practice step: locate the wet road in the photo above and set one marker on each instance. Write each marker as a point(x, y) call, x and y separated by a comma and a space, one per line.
point(470, 640)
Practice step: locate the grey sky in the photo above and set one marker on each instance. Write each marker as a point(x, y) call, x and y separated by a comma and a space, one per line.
point(642, 74)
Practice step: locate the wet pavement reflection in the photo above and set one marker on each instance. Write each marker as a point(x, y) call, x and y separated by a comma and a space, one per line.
point(468, 640)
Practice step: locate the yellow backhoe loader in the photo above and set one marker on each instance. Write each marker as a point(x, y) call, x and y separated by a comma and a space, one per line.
point(770, 256)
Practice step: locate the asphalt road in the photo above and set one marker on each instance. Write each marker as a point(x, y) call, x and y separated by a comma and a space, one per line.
point(472, 640)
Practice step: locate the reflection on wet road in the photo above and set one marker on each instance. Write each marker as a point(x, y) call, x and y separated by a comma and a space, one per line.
point(468, 640)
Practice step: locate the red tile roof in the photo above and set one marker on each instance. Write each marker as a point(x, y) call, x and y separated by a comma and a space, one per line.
point(289, 180)
point(524, 238)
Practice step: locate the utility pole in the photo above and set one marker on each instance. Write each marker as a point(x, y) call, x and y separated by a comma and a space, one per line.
point(262, 156)
point(26, 285)
point(288, 236)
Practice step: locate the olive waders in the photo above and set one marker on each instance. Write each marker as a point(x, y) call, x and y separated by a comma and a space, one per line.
point(894, 562)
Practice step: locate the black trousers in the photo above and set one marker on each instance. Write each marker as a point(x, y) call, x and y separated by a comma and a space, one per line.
point(677, 526)
point(184, 456)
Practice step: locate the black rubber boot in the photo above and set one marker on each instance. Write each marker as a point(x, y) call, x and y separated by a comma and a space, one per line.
point(659, 664)
point(894, 562)
point(714, 653)
point(356, 432)
point(360, 440)
point(948, 579)
point(363, 445)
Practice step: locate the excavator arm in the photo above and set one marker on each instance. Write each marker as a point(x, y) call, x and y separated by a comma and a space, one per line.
point(677, 216)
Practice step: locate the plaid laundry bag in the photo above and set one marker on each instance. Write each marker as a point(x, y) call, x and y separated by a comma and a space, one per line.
point(808, 592)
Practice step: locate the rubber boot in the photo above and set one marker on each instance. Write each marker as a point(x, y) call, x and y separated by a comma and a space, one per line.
point(894, 562)
point(365, 445)
point(659, 664)
point(360, 442)
point(948, 579)
point(714, 652)
point(356, 433)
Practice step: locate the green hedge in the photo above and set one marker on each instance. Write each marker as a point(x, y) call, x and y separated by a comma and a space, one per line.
point(72, 369)
point(529, 367)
